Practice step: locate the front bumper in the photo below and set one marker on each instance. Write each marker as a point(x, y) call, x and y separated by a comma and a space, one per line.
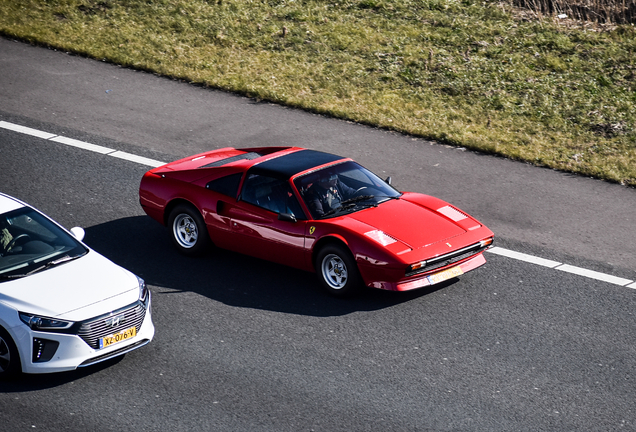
point(71, 350)
point(421, 281)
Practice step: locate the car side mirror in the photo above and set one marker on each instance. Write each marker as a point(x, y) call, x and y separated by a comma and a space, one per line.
point(78, 233)
point(287, 217)
point(388, 180)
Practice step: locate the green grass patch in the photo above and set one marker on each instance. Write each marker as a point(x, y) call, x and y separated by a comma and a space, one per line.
point(466, 73)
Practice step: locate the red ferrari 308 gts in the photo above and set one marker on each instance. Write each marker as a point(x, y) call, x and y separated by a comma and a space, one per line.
point(314, 211)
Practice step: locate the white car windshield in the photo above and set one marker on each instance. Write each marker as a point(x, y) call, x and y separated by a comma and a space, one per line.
point(30, 242)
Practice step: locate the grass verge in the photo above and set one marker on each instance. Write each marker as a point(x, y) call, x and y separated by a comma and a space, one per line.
point(474, 74)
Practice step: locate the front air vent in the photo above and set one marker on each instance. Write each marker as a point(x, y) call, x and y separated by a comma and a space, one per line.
point(452, 213)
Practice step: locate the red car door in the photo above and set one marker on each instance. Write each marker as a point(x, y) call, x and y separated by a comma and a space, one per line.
point(268, 223)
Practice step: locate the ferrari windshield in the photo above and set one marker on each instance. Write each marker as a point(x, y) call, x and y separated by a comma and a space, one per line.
point(342, 188)
point(29, 242)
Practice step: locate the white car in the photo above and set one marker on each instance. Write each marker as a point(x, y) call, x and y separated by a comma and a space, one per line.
point(62, 305)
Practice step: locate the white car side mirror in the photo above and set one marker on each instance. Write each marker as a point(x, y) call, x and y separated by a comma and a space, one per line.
point(78, 233)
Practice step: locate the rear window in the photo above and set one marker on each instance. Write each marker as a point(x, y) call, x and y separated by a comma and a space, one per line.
point(244, 156)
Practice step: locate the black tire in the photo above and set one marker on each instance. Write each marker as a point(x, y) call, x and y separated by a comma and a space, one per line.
point(188, 231)
point(337, 271)
point(9, 357)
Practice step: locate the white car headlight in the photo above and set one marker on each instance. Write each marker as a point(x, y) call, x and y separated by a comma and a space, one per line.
point(44, 323)
point(143, 290)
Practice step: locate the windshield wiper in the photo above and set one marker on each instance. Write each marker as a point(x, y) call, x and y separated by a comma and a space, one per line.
point(356, 199)
point(53, 263)
point(8, 277)
point(393, 197)
point(330, 212)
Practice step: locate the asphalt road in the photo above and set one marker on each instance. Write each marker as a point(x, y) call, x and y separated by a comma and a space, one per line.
point(244, 345)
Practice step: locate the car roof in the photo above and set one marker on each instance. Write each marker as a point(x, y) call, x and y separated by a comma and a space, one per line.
point(8, 203)
point(285, 166)
point(278, 162)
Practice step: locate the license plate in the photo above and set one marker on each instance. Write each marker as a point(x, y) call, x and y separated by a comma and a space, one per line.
point(445, 275)
point(117, 337)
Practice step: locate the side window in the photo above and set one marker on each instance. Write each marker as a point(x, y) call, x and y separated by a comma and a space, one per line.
point(227, 185)
point(272, 194)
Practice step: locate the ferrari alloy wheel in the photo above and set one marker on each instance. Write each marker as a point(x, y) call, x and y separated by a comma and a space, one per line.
point(189, 233)
point(9, 357)
point(337, 270)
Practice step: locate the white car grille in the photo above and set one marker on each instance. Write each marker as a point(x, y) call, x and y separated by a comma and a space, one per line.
point(92, 331)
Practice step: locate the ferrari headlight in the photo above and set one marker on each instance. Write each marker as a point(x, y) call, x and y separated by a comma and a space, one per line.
point(417, 266)
point(44, 323)
point(486, 243)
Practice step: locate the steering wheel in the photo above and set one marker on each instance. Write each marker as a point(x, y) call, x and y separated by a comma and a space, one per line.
point(359, 189)
point(15, 241)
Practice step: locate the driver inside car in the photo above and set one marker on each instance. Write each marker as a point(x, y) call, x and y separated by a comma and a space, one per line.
point(5, 237)
point(327, 194)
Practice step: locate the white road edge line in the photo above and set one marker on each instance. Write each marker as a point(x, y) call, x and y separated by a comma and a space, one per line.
point(594, 275)
point(524, 257)
point(591, 274)
point(138, 159)
point(155, 163)
point(81, 144)
point(26, 130)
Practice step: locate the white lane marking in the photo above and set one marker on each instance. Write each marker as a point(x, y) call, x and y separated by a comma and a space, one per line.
point(524, 257)
point(155, 163)
point(591, 274)
point(81, 144)
point(138, 159)
point(26, 130)
point(594, 275)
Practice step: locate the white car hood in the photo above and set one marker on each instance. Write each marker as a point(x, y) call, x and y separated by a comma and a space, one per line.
point(77, 290)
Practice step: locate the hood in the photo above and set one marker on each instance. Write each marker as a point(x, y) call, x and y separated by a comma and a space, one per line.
point(77, 290)
point(410, 223)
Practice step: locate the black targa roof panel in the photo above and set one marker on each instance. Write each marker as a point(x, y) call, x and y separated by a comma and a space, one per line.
point(293, 163)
